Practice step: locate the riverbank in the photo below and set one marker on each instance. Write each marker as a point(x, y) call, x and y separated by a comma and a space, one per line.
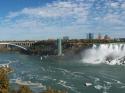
point(50, 47)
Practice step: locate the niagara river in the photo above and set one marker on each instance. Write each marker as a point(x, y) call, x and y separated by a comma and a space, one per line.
point(101, 67)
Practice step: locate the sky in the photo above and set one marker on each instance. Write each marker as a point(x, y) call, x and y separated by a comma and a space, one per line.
point(51, 19)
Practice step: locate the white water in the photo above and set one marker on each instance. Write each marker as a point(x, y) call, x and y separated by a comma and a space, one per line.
point(105, 53)
point(28, 83)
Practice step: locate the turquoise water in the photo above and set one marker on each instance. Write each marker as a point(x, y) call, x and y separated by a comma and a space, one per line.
point(64, 74)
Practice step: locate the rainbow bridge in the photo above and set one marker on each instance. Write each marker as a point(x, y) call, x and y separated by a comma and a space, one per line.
point(19, 44)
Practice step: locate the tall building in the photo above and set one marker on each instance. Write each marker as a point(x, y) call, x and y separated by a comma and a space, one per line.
point(90, 36)
point(65, 38)
point(59, 43)
point(106, 37)
point(99, 36)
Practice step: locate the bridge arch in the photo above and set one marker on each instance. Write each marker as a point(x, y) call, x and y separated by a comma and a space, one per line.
point(14, 45)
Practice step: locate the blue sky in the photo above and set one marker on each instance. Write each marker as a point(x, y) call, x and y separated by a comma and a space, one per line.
point(48, 19)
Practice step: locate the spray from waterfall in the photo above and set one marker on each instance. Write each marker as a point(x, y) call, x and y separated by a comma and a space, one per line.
point(105, 53)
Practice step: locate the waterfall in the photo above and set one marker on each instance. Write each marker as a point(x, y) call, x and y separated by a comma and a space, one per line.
point(105, 53)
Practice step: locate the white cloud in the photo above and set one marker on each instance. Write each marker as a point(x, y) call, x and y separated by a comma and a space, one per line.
point(115, 4)
point(113, 19)
point(41, 20)
point(123, 5)
point(56, 9)
point(45, 20)
point(52, 14)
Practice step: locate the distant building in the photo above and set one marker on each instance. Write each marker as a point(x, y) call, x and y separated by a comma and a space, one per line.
point(106, 37)
point(121, 39)
point(99, 36)
point(117, 39)
point(90, 36)
point(65, 38)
